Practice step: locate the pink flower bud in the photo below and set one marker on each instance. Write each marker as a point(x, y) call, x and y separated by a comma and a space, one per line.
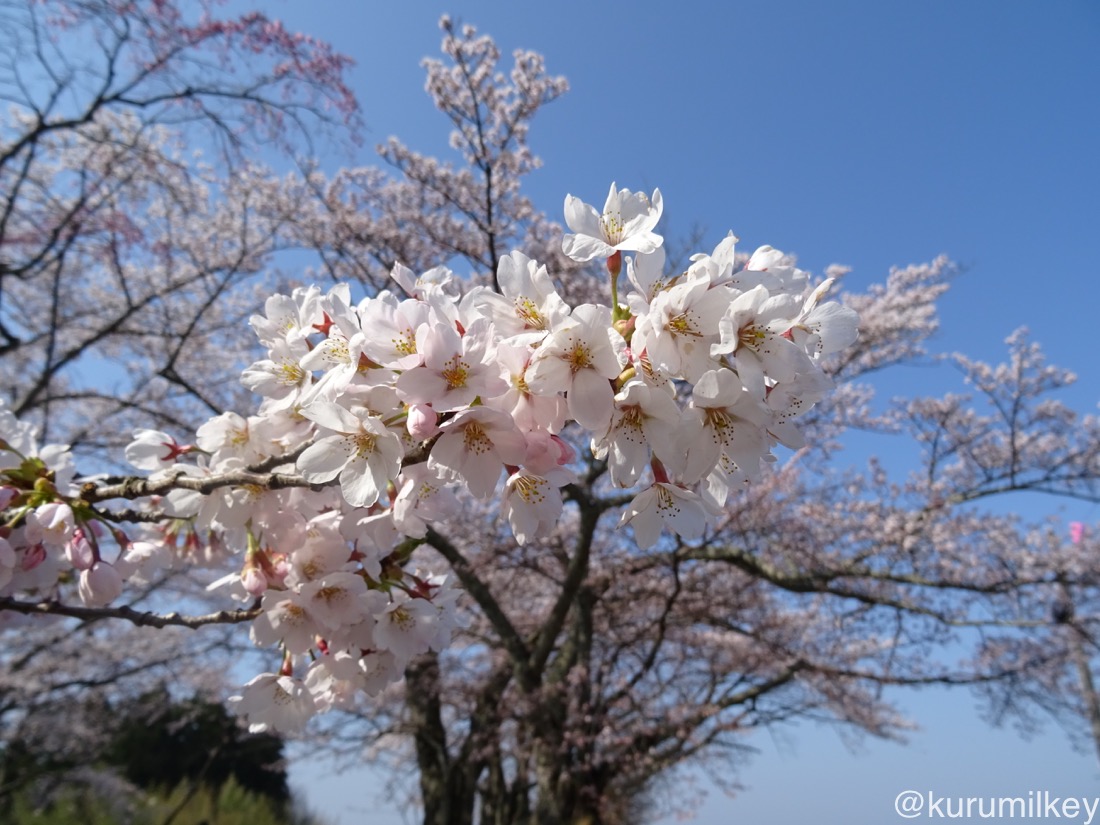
point(542, 452)
point(421, 422)
point(79, 551)
point(277, 570)
point(99, 585)
point(545, 452)
point(254, 580)
point(566, 453)
point(33, 556)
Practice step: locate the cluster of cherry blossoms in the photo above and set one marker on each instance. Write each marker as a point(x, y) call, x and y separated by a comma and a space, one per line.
point(377, 415)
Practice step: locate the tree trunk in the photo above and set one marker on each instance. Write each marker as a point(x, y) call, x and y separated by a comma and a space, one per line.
point(445, 787)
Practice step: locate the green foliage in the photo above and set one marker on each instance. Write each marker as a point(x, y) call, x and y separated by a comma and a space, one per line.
point(229, 805)
point(187, 804)
point(164, 742)
point(83, 807)
point(186, 762)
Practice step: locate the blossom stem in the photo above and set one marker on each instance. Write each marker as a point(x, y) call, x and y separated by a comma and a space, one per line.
point(614, 267)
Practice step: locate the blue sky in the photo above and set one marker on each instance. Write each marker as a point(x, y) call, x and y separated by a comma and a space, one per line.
point(860, 132)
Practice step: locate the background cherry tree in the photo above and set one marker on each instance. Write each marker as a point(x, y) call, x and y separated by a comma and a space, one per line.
point(584, 668)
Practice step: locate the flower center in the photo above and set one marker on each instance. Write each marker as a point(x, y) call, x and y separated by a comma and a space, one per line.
point(475, 439)
point(631, 421)
point(579, 358)
point(405, 344)
point(682, 325)
point(455, 373)
point(290, 374)
point(364, 444)
point(751, 336)
point(332, 594)
point(402, 618)
point(666, 502)
point(336, 351)
point(532, 318)
point(721, 425)
point(530, 489)
point(294, 614)
point(611, 223)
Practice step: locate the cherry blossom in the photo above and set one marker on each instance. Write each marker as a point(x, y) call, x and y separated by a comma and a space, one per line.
point(626, 224)
point(274, 702)
point(580, 359)
point(361, 451)
point(645, 419)
point(665, 505)
point(532, 503)
point(360, 484)
point(456, 369)
point(100, 584)
point(474, 446)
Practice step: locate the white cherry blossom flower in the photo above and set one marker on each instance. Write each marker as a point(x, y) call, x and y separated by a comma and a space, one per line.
point(334, 681)
point(285, 619)
point(361, 450)
point(407, 627)
point(528, 305)
point(422, 496)
point(723, 420)
point(581, 358)
point(647, 274)
point(289, 319)
point(475, 445)
point(717, 267)
point(338, 355)
point(645, 418)
point(432, 286)
point(625, 225)
point(154, 450)
point(680, 326)
point(144, 556)
point(380, 669)
point(336, 601)
point(393, 325)
point(790, 400)
point(274, 702)
point(821, 329)
point(531, 412)
point(319, 549)
point(776, 271)
point(228, 435)
point(52, 523)
point(456, 369)
point(665, 505)
point(279, 377)
point(532, 503)
point(752, 330)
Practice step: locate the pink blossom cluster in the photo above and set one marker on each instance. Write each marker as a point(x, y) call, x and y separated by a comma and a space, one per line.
point(377, 414)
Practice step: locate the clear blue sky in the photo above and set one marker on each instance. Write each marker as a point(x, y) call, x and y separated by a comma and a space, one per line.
point(862, 132)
